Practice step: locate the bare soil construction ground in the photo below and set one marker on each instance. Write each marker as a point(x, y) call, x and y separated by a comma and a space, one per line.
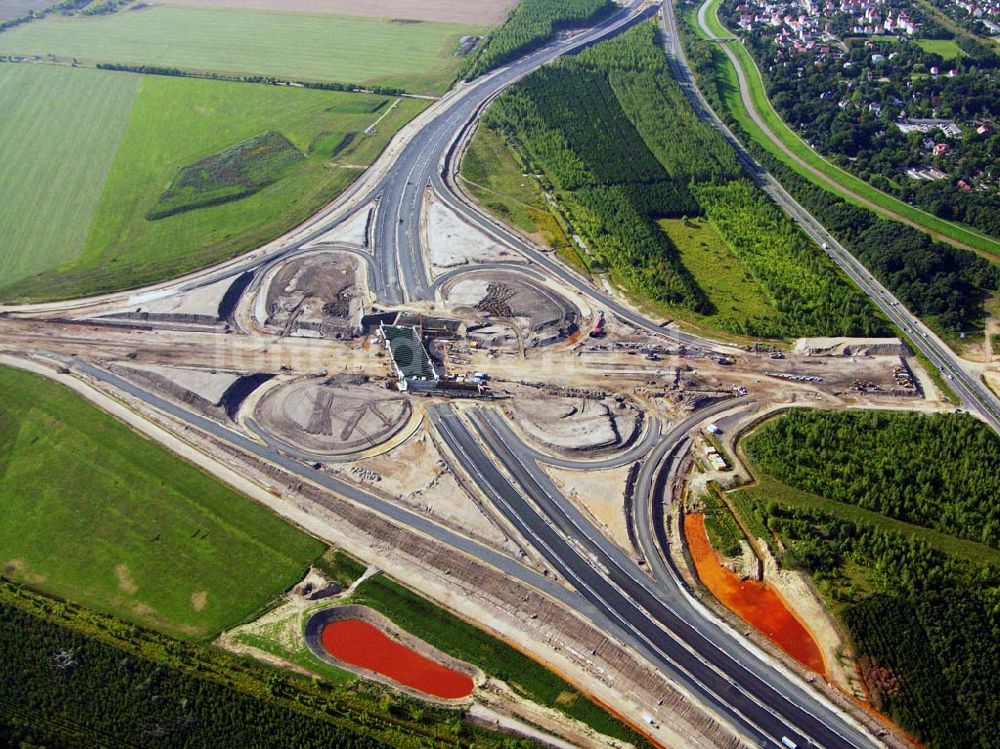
point(599, 495)
point(315, 295)
point(480, 12)
point(332, 416)
point(573, 424)
point(416, 475)
point(509, 310)
point(453, 242)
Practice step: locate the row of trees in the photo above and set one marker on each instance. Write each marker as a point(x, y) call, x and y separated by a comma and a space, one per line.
point(265, 79)
point(933, 279)
point(941, 472)
point(530, 25)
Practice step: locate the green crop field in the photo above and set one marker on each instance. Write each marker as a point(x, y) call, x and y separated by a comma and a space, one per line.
point(417, 56)
point(59, 133)
point(174, 123)
point(731, 288)
point(125, 527)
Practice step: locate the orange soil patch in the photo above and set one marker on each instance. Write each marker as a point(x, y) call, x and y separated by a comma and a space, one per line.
point(476, 12)
point(366, 646)
point(755, 602)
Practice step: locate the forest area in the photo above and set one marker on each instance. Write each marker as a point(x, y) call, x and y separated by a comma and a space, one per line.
point(618, 143)
point(925, 624)
point(530, 25)
point(73, 677)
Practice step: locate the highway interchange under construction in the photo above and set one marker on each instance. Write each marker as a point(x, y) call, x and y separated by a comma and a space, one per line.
point(235, 363)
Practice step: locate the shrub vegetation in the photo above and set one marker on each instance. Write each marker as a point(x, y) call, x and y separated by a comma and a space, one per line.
point(234, 173)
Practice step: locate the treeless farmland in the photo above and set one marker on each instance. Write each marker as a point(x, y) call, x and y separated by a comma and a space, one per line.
point(59, 133)
point(418, 56)
point(91, 512)
point(15, 8)
point(479, 12)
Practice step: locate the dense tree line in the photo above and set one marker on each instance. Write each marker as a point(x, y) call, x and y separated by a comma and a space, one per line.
point(63, 687)
point(941, 472)
point(566, 121)
point(530, 25)
point(925, 625)
point(616, 138)
point(266, 79)
point(811, 297)
point(932, 278)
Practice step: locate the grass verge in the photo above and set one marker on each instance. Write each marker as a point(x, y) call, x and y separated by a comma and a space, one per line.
point(495, 178)
point(461, 640)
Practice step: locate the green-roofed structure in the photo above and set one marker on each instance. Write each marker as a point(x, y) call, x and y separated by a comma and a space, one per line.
point(410, 359)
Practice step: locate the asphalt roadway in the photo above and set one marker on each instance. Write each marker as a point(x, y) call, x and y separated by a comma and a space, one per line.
point(645, 493)
point(397, 222)
point(716, 666)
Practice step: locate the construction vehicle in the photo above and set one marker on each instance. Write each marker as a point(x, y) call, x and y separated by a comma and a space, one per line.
point(599, 330)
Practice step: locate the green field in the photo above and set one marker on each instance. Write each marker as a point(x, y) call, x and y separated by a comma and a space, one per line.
point(493, 176)
point(123, 526)
point(726, 280)
point(174, 123)
point(417, 56)
point(59, 133)
point(947, 48)
point(844, 184)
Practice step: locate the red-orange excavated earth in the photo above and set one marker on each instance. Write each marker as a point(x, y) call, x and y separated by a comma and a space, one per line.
point(755, 602)
point(362, 644)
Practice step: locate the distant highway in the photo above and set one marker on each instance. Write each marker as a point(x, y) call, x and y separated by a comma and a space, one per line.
point(713, 663)
point(975, 396)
